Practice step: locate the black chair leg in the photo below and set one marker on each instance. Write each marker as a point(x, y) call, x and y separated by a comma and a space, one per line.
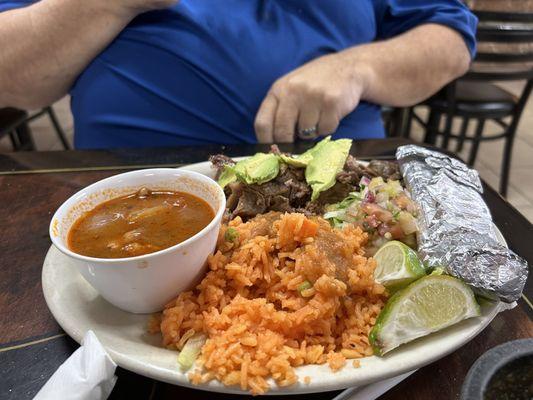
point(24, 138)
point(400, 119)
point(506, 165)
point(462, 135)
point(387, 118)
point(447, 132)
point(58, 128)
point(475, 142)
point(445, 142)
point(406, 130)
point(432, 127)
point(14, 140)
point(395, 122)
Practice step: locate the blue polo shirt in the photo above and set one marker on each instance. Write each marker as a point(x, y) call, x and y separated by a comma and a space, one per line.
point(196, 73)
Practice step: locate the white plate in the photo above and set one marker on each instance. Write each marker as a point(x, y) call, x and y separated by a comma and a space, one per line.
point(77, 307)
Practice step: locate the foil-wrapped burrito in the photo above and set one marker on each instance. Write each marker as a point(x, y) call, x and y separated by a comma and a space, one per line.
point(456, 229)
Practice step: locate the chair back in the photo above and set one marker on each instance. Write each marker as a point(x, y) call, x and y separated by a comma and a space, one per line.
point(505, 53)
point(505, 47)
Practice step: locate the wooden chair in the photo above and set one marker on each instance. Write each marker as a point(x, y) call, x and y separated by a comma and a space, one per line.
point(474, 97)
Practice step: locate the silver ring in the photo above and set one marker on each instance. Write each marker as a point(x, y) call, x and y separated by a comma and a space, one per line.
point(308, 134)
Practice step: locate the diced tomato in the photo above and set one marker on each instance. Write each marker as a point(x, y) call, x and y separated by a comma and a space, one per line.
point(309, 229)
point(396, 231)
point(380, 213)
point(402, 201)
point(372, 221)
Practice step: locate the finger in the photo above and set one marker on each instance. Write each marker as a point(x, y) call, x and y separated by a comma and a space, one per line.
point(285, 121)
point(264, 120)
point(308, 118)
point(328, 122)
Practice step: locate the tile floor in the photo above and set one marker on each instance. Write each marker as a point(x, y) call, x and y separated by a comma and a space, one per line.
point(488, 161)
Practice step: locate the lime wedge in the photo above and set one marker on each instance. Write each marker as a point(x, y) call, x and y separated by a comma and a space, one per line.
point(427, 305)
point(397, 265)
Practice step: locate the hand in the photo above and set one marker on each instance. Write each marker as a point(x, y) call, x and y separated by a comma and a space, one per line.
point(318, 94)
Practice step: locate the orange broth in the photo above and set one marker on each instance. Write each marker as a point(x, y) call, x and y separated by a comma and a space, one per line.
point(139, 223)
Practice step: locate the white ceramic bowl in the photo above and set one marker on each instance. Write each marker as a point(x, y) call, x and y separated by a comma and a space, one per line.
point(143, 284)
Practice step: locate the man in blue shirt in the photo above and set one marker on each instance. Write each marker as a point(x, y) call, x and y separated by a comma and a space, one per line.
point(167, 72)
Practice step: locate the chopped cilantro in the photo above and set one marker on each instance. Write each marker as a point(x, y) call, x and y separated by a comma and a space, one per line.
point(231, 234)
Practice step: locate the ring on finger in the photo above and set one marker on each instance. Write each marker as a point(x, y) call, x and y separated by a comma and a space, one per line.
point(308, 134)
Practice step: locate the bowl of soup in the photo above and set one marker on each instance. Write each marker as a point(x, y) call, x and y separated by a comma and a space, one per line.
point(142, 237)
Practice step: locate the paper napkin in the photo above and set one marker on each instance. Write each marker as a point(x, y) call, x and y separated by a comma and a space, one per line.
point(88, 374)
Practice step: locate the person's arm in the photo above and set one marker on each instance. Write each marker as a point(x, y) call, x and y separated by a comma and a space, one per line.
point(400, 71)
point(46, 45)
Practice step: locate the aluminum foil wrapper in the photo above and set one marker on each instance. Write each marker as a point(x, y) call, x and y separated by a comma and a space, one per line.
point(456, 229)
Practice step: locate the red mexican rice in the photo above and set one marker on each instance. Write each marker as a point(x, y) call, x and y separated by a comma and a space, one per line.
point(283, 290)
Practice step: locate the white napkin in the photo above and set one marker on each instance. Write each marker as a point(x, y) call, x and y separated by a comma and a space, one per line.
point(88, 374)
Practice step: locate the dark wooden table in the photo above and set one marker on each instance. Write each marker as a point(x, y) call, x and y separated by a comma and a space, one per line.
point(32, 345)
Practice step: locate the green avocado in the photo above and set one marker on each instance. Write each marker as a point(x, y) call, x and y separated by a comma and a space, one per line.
point(322, 163)
point(227, 176)
point(294, 161)
point(327, 160)
point(258, 169)
point(303, 159)
point(317, 148)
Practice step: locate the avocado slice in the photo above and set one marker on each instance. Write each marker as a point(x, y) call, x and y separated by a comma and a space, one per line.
point(303, 159)
point(257, 169)
point(322, 163)
point(327, 161)
point(294, 161)
point(317, 148)
point(227, 176)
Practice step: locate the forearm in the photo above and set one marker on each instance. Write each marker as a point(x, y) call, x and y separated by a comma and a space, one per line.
point(47, 45)
point(408, 68)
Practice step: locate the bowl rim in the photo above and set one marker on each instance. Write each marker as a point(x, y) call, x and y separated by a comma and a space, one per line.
point(195, 175)
point(485, 367)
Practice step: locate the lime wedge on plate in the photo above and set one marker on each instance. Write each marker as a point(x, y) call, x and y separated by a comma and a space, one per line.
point(397, 265)
point(427, 305)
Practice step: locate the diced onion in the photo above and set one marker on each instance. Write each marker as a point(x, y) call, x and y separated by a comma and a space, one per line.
point(393, 188)
point(376, 183)
point(364, 181)
point(407, 223)
point(382, 198)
